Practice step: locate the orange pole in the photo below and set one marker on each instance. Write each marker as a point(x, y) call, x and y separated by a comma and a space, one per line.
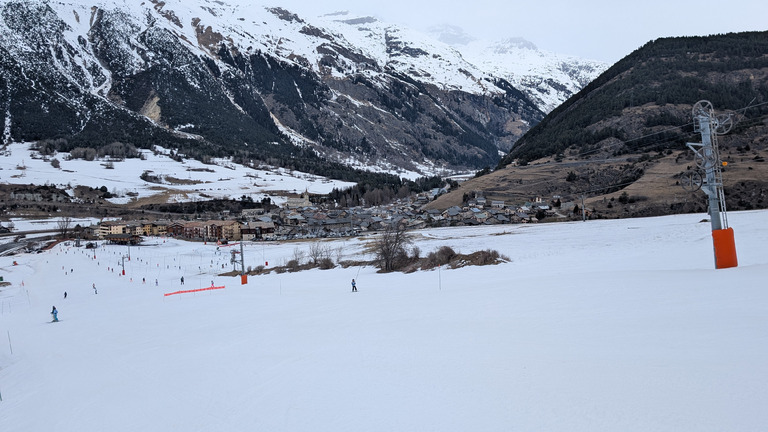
point(725, 248)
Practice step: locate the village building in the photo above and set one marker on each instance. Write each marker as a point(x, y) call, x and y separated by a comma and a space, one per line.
point(175, 229)
point(302, 201)
point(258, 230)
point(252, 214)
point(222, 230)
point(111, 227)
point(123, 239)
point(195, 230)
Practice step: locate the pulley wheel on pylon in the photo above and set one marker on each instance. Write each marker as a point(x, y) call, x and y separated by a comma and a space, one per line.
point(702, 107)
point(701, 161)
point(691, 180)
point(724, 123)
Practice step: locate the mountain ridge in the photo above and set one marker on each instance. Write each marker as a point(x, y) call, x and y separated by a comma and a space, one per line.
point(211, 78)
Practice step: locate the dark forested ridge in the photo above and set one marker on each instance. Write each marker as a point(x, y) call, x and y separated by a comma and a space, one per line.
point(652, 88)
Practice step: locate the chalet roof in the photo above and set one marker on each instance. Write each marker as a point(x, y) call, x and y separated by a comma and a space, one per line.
point(260, 224)
point(453, 211)
point(338, 221)
point(112, 223)
point(222, 222)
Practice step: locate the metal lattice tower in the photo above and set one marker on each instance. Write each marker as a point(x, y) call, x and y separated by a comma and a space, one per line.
point(707, 157)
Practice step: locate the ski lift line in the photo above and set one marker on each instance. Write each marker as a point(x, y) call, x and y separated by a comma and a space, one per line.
point(638, 138)
point(743, 110)
point(751, 106)
point(619, 185)
point(658, 176)
point(753, 120)
point(587, 191)
point(634, 139)
point(757, 119)
point(587, 152)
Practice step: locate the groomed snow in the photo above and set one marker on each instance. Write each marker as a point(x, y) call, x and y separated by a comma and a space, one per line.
point(620, 325)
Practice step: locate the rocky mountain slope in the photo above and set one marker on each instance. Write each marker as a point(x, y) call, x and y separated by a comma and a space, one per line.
point(212, 79)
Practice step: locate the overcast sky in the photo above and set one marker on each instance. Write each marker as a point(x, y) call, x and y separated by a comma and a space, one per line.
point(604, 30)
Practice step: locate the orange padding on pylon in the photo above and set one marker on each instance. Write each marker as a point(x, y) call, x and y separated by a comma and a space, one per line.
point(194, 290)
point(725, 248)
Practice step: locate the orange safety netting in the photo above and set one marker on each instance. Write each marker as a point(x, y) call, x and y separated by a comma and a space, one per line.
point(194, 290)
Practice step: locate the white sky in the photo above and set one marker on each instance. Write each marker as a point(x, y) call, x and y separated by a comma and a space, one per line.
point(595, 29)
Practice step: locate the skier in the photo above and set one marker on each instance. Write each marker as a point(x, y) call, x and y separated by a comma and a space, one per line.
point(354, 286)
point(94, 289)
point(182, 280)
point(65, 294)
point(55, 314)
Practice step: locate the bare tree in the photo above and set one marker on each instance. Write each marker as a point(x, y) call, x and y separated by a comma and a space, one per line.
point(315, 252)
point(391, 246)
point(63, 226)
point(319, 251)
point(339, 253)
point(298, 255)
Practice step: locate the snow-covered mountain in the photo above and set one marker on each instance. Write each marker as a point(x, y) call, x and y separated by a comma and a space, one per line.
point(547, 78)
point(259, 83)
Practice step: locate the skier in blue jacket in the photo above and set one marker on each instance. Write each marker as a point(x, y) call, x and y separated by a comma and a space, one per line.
point(55, 314)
